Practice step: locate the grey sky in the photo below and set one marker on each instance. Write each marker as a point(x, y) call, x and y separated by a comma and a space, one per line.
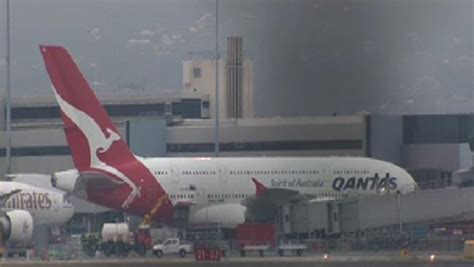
point(311, 56)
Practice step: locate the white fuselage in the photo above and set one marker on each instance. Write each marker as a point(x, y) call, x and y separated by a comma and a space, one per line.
point(219, 185)
point(45, 206)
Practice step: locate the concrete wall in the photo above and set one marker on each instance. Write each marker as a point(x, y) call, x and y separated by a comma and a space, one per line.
point(339, 128)
point(441, 156)
point(386, 137)
point(147, 136)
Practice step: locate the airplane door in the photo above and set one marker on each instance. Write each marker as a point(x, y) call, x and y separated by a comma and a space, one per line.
point(175, 175)
point(222, 174)
point(221, 183)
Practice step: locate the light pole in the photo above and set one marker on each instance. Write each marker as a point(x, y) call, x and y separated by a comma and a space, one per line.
point(216, 106)
point(8, 98)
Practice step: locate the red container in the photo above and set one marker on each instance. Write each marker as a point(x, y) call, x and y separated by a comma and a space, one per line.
point(256, 234)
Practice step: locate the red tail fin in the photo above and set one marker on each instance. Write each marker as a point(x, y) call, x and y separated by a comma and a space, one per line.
point(89, 130)
point(96, 144)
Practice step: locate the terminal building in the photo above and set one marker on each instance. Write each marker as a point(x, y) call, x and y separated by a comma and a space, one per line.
point(433, 148)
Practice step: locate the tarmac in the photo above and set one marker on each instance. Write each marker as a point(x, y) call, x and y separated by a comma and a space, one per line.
point(342, 260)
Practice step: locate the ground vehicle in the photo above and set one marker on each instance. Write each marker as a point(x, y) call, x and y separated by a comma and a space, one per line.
point(292, 248)
point(116, 238)
point(171, 246)
point(256, 237)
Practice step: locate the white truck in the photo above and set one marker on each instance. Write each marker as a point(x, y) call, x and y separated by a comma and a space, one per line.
point(116, 238)
point(171, 246)
point(291, 247)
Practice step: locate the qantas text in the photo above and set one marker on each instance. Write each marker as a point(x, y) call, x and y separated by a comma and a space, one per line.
point(364, 183)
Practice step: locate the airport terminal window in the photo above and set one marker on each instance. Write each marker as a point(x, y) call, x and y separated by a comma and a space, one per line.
point(424, 129)
point(19, 113)
point(117, 110)
point(268, 146)
point(37, 151)
point(188, 108)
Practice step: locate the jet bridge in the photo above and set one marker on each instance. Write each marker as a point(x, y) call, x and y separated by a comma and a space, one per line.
point(377, 211)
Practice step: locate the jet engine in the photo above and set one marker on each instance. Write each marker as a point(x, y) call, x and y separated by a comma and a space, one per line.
point(65, 180)
point(16, 225)
point(226, 215)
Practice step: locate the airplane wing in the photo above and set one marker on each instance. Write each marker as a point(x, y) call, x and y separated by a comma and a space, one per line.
point(275, 195)
point(5, 197)
point(184, 204)
point(263, 205)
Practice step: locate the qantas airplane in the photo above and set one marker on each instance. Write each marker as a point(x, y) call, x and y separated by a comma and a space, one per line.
point(22, 206)
point(209, 190)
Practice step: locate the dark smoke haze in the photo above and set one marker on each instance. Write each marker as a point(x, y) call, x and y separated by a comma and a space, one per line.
point(311, 57)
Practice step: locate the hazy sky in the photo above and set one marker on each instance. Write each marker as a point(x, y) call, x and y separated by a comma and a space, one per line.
point(311, 56)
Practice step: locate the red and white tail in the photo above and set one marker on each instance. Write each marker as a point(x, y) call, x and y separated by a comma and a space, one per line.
point(89, 130)
point(96, 145)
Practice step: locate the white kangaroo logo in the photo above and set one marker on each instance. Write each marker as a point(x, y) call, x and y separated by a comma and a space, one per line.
point(98, 143)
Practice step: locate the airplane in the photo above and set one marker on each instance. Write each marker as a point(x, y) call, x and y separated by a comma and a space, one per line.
point(209, 190)
point(23, 206)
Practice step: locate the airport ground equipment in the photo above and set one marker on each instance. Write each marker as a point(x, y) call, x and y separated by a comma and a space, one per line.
point(171, 246)
point(256, 237)
point(297, 249)
point(117, 239)
point(260, 249)
point(256, 234)
point(208, 254)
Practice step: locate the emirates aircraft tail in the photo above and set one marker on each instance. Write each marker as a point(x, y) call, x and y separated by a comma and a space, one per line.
point(89, 130)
